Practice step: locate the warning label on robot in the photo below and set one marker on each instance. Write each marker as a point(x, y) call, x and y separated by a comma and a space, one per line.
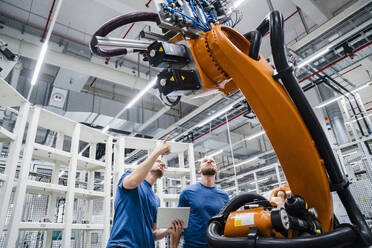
point(245, 219)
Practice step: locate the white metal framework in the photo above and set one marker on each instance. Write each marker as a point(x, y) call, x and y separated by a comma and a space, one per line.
point(58, 159)
point(9, 98)
point(54, 196)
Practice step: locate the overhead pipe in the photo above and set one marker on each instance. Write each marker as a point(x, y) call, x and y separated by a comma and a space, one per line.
point(335, 104)
point(124, 36)
point(335, 62)
point(47, 23)
point(238, 116)
point(334, 114)
point(356, 102)
point(48, 34)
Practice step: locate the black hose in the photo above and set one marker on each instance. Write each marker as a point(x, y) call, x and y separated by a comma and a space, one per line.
point(356, 103)
point(115, 23)
point(358, 235)
point(349, 101)
point(264, 26)
point(312, 123)
point(342, 237)
point(169, 102)
point(241, 199)
point(255, 39)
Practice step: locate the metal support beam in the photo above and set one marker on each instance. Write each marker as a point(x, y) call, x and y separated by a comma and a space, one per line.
point(69, 206)
point(256, 183)
point(19, 197)
point(270, 4)
point(303, 20)
point(21, 46)
point(12, 162)
point(192, 164)
point(107, 189)
point(344, 15)
point(15, 75)
point(151, 120)
point(52, 198)
point(278, 174)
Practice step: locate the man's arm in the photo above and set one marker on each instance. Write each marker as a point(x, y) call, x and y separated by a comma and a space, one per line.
point(175, 237)
point(140, 173)
point(160, 233)
point(174, 230)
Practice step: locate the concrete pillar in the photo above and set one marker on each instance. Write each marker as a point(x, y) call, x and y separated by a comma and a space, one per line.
point(15, 75)
point(334, 115)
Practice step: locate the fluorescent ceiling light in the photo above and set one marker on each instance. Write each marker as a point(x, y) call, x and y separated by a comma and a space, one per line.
point(247, 161)
point(105, 129)
point(209, 119)
point(39, 62)
point(348, 122)
point(350, 153)
point(255, 135)
point(339, 97)
point(61, 173)
point(314, 57)
point(211, 155)
point(216, 153)
point(329, 102)
point(261, 180)
point(131, 103)
point(237, 3)
point(219, 113)
point(141, 93)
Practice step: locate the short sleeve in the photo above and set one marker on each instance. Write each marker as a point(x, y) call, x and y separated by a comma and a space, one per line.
point(157, 202)
point(120, 183)
point(227, 198)
point(183, 201)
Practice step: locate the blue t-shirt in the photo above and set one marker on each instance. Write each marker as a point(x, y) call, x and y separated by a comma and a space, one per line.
point(135, 214)
point(204, 202)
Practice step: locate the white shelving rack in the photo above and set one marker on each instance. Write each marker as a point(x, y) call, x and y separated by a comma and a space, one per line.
point(181, 171)
point(70, 161)
point(11, 100)
point(18, 184)
point(59, 159)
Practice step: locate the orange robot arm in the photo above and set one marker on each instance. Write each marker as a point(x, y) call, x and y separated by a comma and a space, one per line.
point(228, 61)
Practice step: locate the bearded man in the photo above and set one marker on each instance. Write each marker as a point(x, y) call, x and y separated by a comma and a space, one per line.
point(205, 200)
point(136, 206)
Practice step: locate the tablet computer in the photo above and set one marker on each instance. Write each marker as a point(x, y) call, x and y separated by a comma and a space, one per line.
point(167, 215)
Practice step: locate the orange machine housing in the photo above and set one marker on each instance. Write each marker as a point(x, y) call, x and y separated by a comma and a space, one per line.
point(238, 223)
point(221, 56)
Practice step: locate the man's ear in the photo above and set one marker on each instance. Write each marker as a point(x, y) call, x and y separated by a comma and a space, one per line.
point(199, 170)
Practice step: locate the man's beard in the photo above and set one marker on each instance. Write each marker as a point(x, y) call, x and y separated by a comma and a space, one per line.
point(208, 171)
point(157, 173)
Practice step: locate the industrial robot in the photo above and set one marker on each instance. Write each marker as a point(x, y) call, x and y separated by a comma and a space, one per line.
point(200, 52)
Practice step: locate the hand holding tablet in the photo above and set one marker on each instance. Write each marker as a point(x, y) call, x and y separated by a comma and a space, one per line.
point(166, 216)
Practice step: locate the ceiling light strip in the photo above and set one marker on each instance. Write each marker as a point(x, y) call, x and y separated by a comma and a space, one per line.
point(340, 97)
point(44, 49)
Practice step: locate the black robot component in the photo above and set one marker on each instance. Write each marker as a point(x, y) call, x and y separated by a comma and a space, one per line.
point(8, 54)
point(167, 55)
point(176, 82)
point(296, 206)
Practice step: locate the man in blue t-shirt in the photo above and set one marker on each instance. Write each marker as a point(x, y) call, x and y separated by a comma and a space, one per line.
point(136, 206)
point(205, 200)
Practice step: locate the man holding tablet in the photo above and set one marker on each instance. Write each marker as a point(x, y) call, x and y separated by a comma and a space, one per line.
point(136, 206)
point(205, 200)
